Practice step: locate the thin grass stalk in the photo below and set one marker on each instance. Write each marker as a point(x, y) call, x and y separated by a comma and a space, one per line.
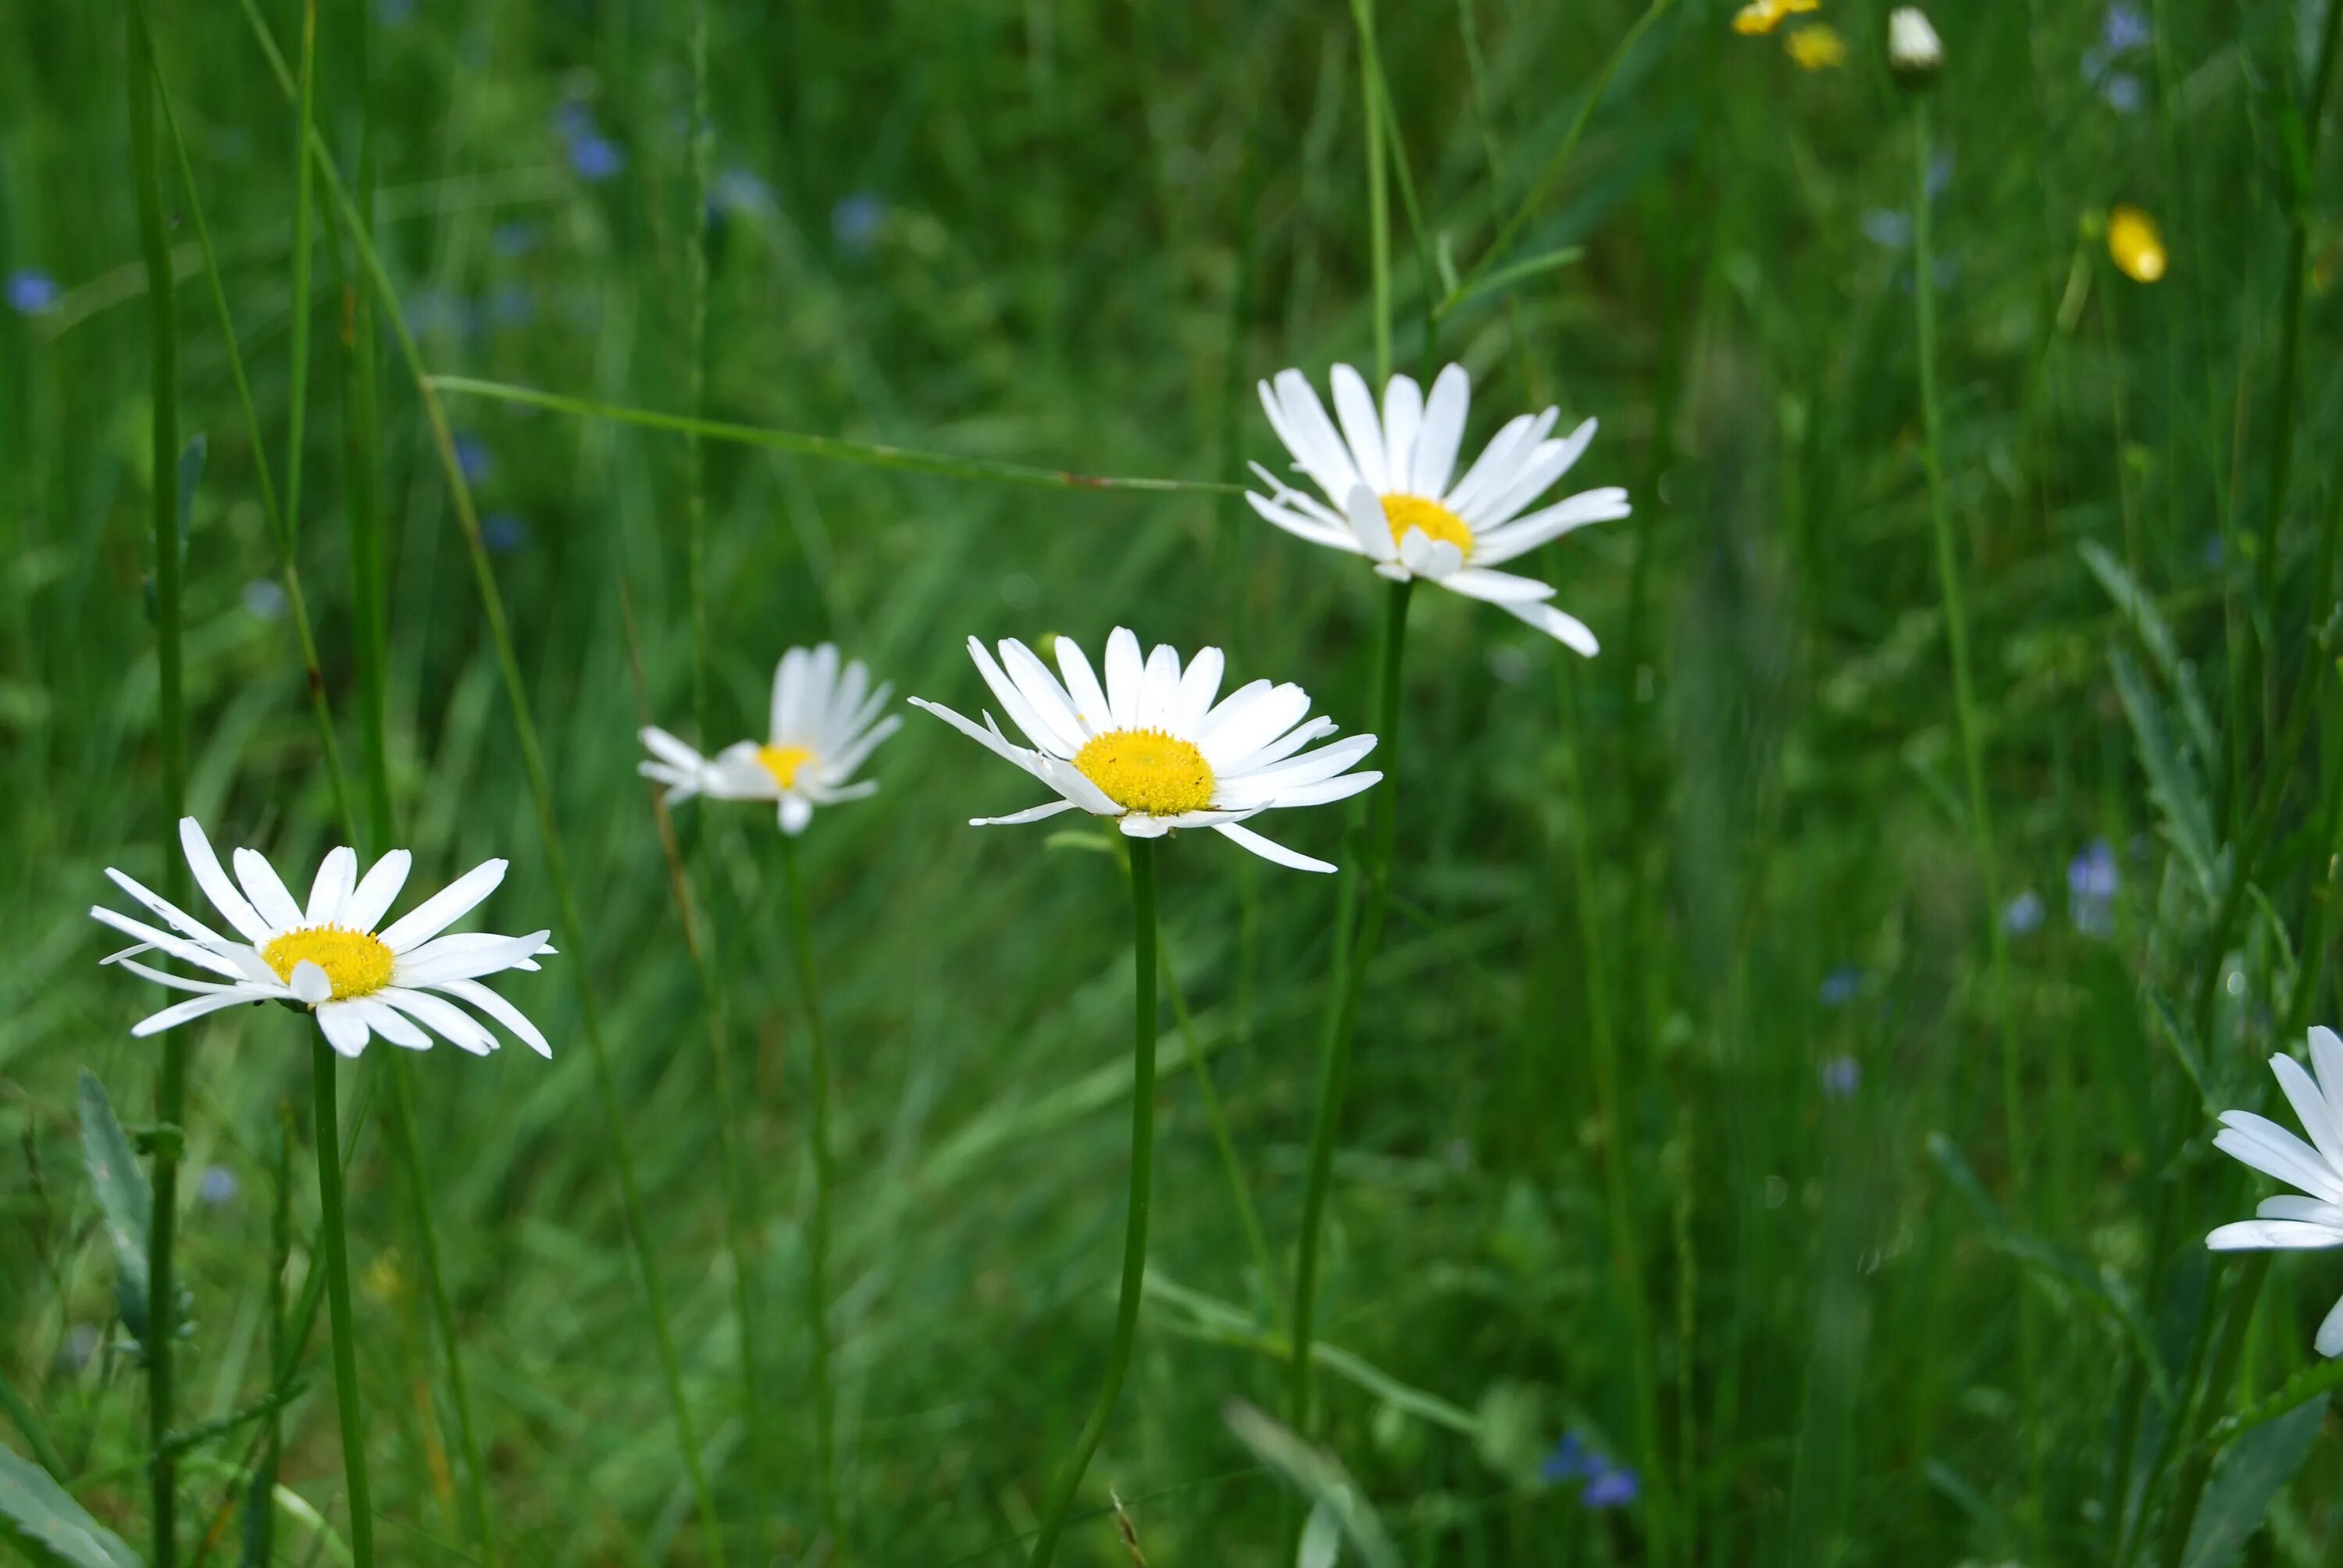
point(297, 395)
point(825, 1419)
point(2281, 456)
point(288, 573)
point(1142, 1169)
point(333, 1235)
point(171, 1089)
point(1371, 113)
point(1553, 165)
point(532, 753)
point(830, 448)
point(1981, 835)
point(695, 376)
point(1216, 1114)
point(1366, 891)
point(2188, 1490)
point(1626, 1259)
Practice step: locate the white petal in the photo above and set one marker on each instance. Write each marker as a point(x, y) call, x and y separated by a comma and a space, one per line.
point(1548, 462)
point(1268, 849)
point(1497, 588)
point(1368, 526)
point(1308, 435)
point(503, 1011)
point(2273, 1150)
point(463, 956)
point(1199, 684)
point(1159, 687)
point(1301, 525)
point(442, 1017)
point(2329, 1341)
point(2247, 1234)
point(1442, 432)
point(181, 982)
point(378, 890)
point(1075, 784)
point(337, 877)
point(991, 740)
point(2295, 1206)
point(180, 1012)
point(232, 905)
point(1403, 416)
point(836, 770)
point(2310, 1107)
point(669, 750)
point(1319, 792)
point(203, 958)
point(1123, 670)
point(1354, 408)
point(2326, 1056)
point(1566, 630)
point(390, 1023)
point(1501, 461)
point(309, 983)
point(267, 892)
point(789, 693)
point(345, 1027)
point(1089, 698)
point(736, 774)
point(450, 904)
point(1030, 814)
point(794, 813)
point(1037, 726)
point(834, 726)
point(1502, 543)
point(170, 912)
point(1429, 558)
point(1228, 739)
point(1041, 689)
point(1322, 763)
point(1140, 825)
point(1284, 746)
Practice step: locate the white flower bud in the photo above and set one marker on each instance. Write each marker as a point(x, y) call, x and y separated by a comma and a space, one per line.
point(1913, 50)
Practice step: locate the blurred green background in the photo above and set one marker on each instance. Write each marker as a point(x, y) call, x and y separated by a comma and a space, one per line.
point(1840, 1324)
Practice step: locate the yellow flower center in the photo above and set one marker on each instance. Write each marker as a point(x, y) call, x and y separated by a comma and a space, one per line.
point(1148, 770)
point(783, 762)
point(357, 963)
point(2134, 245)
point(1429, 518)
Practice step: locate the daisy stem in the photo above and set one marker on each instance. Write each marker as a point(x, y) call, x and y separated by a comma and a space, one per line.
point(171, 1093)
point(333, 1233)
point(1359, 907)
point(1956, 636)
point(572, 925)
point(818, 1238)
point(1142, 1169)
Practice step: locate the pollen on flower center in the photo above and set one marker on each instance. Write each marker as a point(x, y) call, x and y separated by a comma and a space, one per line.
point(1148, 770)
point(1428, 518)
point(783, 762)
point(356, 961)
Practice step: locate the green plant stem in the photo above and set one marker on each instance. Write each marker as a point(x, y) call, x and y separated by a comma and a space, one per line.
point(1360, 907)
point(297, 395)
point(571, 924)
point(333, 1233)
point(1466, 286)
point(695, 379)
point(1142, 1169)
point(1371, 115)
point(171, 1089)
point(1626, 1260)
point(1981, 835)
point(824, 1179)
point(829, 449)
point(2189, 1485)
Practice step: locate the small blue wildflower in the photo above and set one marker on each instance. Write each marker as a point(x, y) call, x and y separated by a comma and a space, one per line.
point(2092, 880)
point(2124, 93)
point(856, 220)
point(504, 533)
point(472, 457)
point(1570, 1460)
point(2023, 914)
point(219, 1186)
point(740, 190)
point(1842, 1076)
point(2123, 28)
point(264, 599)
point(595, 158)
point(1615, 1487)
point(1887, 228)
point(30, 293)
point(1841, 985)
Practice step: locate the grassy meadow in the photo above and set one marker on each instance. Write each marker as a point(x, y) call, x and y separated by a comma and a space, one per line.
point(1779, 1124)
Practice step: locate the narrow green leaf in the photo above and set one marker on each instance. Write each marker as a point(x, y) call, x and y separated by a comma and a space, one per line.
point(2171, 782)
point(2245, 1479)
point(123, 1197)
point(191, 474)
point(41, 1520)
point(1318, 1476)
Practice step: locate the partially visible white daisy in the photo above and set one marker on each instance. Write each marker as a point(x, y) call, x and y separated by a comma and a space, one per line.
point(327, 954)
point(2315, 1167)
point(1388, 495)
point(1152, 749)
point(823, 724)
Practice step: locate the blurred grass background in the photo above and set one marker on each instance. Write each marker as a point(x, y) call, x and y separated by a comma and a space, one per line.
point(1074, 235)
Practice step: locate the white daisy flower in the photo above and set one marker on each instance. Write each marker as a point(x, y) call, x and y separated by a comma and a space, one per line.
point(1388, 499)
point(328, 956)
point(1152, 750)
point(821, 729)
point(2315, 1168)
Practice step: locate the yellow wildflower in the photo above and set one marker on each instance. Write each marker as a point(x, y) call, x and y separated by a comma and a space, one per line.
point(2134, 245)
point(1817, 48)
point(1764, 16)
